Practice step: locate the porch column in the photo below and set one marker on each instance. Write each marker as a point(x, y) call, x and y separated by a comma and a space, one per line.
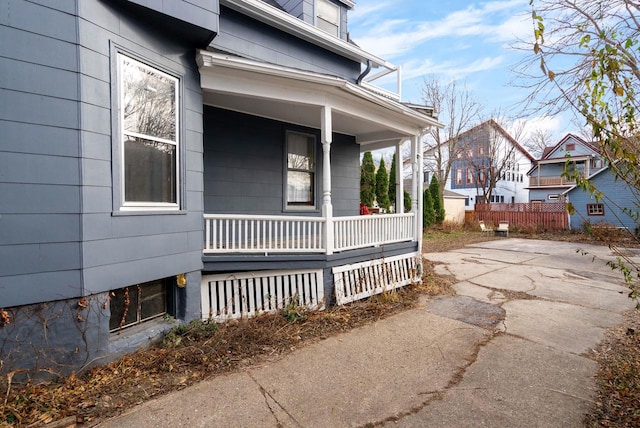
point(418, 175)
point(399, 182)
point(327, 208)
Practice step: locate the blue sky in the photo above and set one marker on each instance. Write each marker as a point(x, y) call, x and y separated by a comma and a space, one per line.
point(469, 41)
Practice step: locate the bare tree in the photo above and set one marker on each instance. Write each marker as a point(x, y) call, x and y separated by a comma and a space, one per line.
point(458, 111)
point(588, 52)
point(491, 155)
point(538, 140)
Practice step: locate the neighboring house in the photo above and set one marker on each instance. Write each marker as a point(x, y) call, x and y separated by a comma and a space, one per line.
point(488, 166)
point(617, 206)
point(454, 206)
point(547, 180)
point(185, 159)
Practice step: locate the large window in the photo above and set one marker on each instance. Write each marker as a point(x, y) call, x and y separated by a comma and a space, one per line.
point(301, 170)
point(328, 17)
point(137, 303)
point(149, 129)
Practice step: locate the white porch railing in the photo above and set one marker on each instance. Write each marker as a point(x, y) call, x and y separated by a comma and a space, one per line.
point(237, 233)
point(241, 233)
point(371, 230)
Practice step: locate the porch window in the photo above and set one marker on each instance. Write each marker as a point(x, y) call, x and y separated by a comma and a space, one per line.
point(301, 170)
point(328, 17)
point(595, 209)
point(149, 127)
point(137, 303)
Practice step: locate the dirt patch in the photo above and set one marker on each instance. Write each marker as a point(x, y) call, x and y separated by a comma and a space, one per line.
point(618, 401)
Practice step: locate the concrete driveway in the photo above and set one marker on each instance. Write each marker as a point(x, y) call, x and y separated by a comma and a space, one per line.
point(513, 348)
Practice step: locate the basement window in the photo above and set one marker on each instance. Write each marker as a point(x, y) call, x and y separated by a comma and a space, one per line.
point(137, 303)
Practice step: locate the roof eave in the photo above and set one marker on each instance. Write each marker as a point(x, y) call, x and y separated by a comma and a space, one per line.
point(270, 15)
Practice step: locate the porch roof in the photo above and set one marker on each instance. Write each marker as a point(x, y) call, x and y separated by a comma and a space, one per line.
point(298, 97)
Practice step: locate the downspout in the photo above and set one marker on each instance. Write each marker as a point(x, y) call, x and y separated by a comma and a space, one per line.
point(364, 73)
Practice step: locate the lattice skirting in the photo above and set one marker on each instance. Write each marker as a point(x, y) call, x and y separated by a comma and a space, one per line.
point(360, 280)
point(246, 294)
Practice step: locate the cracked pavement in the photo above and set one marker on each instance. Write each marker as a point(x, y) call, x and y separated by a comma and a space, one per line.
point(511, 349)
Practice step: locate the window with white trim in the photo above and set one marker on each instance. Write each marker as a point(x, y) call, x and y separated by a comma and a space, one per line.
point(328, 17)
point(595, 209)
point(301, 170)
point(149, 124)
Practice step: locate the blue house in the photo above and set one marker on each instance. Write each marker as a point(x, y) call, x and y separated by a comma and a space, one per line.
point(187, 159)
point(487, 165)
point(547, 178)
point(617, 205)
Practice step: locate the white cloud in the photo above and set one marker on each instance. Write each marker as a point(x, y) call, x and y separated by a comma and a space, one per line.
point(449, 69)
point(492, 22)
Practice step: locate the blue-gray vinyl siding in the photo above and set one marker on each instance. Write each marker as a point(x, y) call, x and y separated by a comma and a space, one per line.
point(244, 166)
point(40, 179)
point(248, 38)
point(544, 194)
point(305, 10)
point(120, 248)
point(617, 196)
point(61, 235)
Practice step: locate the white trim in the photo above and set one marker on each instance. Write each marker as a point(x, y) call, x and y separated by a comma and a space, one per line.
point(145, 205)
point(210, 60)
point(268, 14)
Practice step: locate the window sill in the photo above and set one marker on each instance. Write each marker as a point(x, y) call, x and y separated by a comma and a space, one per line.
point(123, 213)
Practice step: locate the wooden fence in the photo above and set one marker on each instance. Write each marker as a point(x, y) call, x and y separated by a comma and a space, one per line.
point(547, 215)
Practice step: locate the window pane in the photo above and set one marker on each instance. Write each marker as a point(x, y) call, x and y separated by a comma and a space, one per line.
point(124, 307)
point(153, 299)
point(300, 152)
point(149, 101)
point(300, 188)
point(150, 171)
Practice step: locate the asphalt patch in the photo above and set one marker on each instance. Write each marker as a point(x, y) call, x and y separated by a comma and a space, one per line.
point(467, 310)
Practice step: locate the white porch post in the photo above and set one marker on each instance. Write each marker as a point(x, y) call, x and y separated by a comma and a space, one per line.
point(327, 208)
point(416, 187)
point(399, 182)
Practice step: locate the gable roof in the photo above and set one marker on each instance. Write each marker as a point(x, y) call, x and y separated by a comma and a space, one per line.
point(549, 151)
point(495, 125)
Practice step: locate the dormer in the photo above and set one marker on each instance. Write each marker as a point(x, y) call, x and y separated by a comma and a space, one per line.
point(328, 15)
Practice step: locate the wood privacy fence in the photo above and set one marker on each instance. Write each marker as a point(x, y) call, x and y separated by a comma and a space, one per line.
point(546, 215)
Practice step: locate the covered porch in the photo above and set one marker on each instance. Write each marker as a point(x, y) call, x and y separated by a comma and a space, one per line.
point(255, 230)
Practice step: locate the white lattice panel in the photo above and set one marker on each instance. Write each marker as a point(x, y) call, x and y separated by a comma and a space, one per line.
point(246, 294)
point(360, 280)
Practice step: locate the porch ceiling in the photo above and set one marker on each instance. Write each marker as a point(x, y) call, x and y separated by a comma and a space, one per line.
point(298, 97)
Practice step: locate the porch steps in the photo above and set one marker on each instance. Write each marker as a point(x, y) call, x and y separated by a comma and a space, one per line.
point(361, 280)
point(246, 294)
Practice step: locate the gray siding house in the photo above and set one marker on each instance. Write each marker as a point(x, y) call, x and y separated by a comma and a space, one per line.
point(183, 160)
